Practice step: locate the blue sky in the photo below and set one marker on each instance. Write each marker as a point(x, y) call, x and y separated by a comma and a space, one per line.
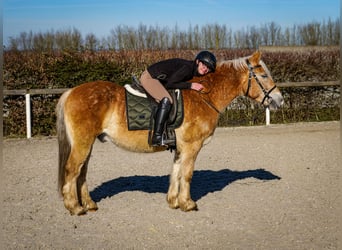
point(101, 16)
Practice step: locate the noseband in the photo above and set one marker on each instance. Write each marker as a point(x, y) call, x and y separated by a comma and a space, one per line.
point(253, 75)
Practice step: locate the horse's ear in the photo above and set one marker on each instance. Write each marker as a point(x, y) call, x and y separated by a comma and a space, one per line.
point(256, 57)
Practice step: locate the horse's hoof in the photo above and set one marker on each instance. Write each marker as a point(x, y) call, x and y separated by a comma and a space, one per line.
point(173, 202)
point(78, 211)
point(173, 206)
point(82, 213)
point(91, 207)
point(189, 206)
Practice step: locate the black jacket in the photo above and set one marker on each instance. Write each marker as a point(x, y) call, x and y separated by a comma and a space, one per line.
point(173, 73)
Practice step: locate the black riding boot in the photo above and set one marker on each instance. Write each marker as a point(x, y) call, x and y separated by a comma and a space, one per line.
point(162, 115)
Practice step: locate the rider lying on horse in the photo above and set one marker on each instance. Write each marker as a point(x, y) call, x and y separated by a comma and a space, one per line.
point(173, 74)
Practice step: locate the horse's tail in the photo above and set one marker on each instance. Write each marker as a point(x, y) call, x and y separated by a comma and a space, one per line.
point(64, 146)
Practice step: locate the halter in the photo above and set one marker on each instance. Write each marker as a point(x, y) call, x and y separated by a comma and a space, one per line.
point(252, 74)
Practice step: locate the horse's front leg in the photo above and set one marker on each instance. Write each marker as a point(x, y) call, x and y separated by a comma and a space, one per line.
point(180, 180)
point(172, 194)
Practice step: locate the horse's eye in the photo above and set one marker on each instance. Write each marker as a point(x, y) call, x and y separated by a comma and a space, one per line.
point(264, 76)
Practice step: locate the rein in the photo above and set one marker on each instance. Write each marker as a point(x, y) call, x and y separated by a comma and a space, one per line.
point(210, 104)
point(253, 75)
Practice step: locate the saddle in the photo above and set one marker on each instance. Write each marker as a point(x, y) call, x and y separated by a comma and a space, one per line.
point(141, 109)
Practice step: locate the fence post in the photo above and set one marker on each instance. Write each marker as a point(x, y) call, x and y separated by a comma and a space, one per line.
point(28, 114)
point(268, 116)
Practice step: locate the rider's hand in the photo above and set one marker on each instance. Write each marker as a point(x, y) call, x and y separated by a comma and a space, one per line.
point(196, 86)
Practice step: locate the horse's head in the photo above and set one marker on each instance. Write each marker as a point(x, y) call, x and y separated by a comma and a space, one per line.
point(260, 85)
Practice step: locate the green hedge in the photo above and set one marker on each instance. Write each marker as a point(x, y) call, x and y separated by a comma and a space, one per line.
point(24, 70)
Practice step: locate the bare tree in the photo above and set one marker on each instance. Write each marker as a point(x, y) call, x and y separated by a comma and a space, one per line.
point(254, 37)
point(91, 42)
point(311, 33)
point(196, 37)
point(210, 36)
point(274, 30)
point(49, 38)
point(142, 32)
point(239, 39)
point(23, 40)
point(39, 42)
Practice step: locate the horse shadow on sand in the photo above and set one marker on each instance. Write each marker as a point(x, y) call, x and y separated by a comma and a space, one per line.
point(203, 182)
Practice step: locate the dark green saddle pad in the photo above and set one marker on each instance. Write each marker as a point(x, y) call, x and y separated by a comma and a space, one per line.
point(140, 112)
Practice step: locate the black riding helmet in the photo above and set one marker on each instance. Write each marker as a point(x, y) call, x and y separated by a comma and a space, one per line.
point(208, 59)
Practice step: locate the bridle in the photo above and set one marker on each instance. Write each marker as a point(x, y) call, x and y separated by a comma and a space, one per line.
point(253, 75)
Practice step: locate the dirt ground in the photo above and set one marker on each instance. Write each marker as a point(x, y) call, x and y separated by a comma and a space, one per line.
point(271, 187)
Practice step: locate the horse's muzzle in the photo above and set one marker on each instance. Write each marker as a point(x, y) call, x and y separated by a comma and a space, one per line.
point(275, 101)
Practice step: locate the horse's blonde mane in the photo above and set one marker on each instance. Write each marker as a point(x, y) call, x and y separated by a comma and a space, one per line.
point(241, 64)
point(238, 64)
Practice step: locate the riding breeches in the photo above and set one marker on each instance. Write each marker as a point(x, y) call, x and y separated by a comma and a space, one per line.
point(153, 87)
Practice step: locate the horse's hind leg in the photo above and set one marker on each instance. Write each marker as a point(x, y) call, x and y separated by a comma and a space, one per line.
point(87, 203)
point(78, 156)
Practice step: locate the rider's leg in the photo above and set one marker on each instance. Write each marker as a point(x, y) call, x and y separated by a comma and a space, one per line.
point(155, 89)
point(162, 115)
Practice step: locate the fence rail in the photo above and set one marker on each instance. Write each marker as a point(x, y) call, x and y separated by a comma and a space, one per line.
point(28, 92)
point(7, 92)
point(33, 91)
point(308, 84)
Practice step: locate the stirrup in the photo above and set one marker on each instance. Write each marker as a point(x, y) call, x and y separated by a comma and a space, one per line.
point(164, 142)
point(168, 142)
point(158, 142)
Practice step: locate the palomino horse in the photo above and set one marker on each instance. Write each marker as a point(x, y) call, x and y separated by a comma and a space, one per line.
point(97, 108)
